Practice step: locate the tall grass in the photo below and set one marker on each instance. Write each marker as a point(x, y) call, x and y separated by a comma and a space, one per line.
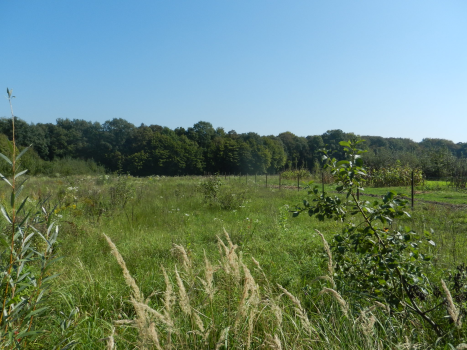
point(153, 220)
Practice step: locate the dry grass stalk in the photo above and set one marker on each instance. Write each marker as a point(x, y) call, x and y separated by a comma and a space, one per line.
point(327, 278)
point(169, 297)
point(366, 322)
point(152, 333)
point(183, 301)
point(273, 343)
point(126, 274)
point(162, 318)
point(277, 312)
point(111, 341)
point(248, 304)
point(222, 338)
point(452, 310)
point(124, 323)
point(137, 299)
point(330, 263)
point(208, 282)
point(383, 306)
point(187, 265)
point(340, 300)
point(231, 261)
point(299, 310)
point(198, 321)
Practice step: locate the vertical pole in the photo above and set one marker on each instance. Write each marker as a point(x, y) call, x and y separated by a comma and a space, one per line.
point(298, 182)
point(412, 189)
point(266, 180)
point(322, 180)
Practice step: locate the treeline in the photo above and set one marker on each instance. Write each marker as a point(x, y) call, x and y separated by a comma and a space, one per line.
point(120, 146)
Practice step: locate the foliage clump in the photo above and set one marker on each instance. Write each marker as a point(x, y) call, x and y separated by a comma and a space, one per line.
point(373, 260)
point(397, 175)
point(218, 194)
point(27, 250)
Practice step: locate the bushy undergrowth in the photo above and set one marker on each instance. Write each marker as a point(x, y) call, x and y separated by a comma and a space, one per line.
point(294, 174)
point(217, 193)
point(397, 175)
point(388, 265)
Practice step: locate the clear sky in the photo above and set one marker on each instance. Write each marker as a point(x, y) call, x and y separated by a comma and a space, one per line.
point(393, 68)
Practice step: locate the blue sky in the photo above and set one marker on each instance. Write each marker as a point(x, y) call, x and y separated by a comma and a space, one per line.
point(388, 68)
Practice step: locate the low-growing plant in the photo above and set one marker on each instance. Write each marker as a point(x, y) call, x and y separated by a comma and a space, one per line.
point(372, 260)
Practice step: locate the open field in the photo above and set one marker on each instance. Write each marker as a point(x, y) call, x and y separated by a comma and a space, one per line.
point(147, 218)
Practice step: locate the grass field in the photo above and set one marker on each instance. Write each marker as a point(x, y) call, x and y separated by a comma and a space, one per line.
point(150, 219)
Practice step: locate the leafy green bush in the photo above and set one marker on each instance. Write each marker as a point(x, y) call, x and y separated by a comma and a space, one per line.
point(372, 261)
point(217, 194)
point(27, 251)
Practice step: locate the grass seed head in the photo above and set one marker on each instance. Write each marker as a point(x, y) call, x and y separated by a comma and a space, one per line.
point(452, 310)
point(338, 297)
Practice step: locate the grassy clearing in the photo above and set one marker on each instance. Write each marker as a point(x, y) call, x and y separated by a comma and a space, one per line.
point(147, 217)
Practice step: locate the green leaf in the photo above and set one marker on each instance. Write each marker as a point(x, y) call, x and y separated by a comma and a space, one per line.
point(22, 152)
point(382, 282)
point(5, 179)
point(6, 158)
point(342, 162)
point(344, 143)
point(5, 214)
point(21, 173)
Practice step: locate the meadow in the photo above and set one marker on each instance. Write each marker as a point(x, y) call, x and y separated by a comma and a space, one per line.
point(219, 263)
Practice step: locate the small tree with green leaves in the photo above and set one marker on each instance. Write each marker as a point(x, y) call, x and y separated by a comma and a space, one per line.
point(373, 260)
point(26, 254)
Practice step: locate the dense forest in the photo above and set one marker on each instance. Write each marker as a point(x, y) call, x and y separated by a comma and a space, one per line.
point(120, 146)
